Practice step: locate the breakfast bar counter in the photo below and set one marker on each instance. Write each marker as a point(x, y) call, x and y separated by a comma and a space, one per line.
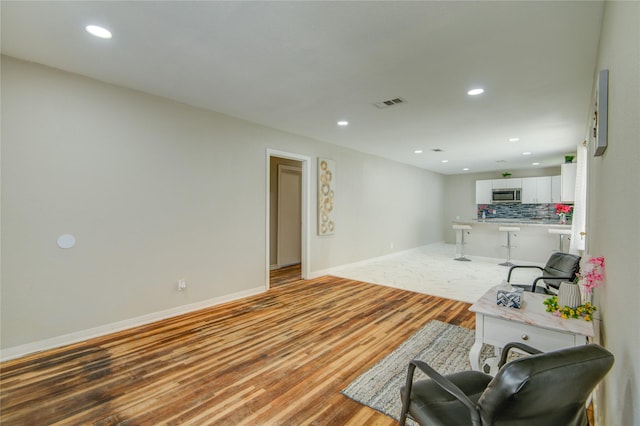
point(515, 222)
point(532, 243)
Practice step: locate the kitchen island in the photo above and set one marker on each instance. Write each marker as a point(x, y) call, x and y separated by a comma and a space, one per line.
point(533, 243)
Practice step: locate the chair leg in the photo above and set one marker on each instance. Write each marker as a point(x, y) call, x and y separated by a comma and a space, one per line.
point(407, 397)
point(403, 414)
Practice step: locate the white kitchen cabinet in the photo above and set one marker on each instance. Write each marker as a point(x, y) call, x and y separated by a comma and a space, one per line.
point(483, 191)
point(556, 183)
point(508, 183)
point(544, 189)
point(536, 190)
point(568, 188)
point(529, 190)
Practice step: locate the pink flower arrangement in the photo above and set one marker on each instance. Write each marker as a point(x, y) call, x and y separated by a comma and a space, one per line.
point(563, 209)
point(591, 273)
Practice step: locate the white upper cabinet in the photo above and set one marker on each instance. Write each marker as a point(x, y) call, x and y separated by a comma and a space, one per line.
point(556, 183)
point(507, 183)
point(483, 192)
point(544, 189)
point(536, 190)
point(529, 190)
point(568, 174)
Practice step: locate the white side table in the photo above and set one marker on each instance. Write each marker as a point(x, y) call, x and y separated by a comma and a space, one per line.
point(531, 324)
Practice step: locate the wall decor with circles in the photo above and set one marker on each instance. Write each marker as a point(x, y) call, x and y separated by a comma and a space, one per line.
point(326, 195)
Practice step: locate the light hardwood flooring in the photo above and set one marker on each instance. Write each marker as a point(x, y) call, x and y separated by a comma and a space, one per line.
point(286, 275)
point(279, 358)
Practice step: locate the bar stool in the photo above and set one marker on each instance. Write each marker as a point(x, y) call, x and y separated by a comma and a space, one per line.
point(462, 229)
point(561, 233)
point(508, 230)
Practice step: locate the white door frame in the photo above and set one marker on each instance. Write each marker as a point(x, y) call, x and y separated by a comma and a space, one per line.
point(305, 251)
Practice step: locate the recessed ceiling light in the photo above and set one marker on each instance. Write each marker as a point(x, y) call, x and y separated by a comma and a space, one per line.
point(474, 92)
point(445, 161)
point(465, 169)
point(417, 151)
point(526, 153)
point(98, 31)
point(535, 164)
point(343, 123)
point(514, 139)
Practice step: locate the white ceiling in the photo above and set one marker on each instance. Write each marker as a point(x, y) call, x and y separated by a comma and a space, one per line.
point(302, 66)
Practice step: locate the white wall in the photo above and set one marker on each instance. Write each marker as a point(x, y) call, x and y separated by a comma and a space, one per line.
point(155, 191)
point(460, 190)
point(612, 214)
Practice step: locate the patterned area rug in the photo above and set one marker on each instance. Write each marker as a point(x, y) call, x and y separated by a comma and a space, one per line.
point(443, 346)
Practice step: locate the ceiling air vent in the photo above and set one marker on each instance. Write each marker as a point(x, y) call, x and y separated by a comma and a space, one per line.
point(390, 102)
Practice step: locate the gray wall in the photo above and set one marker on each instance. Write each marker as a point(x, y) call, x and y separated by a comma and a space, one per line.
point(155, 191)
point(612, 213)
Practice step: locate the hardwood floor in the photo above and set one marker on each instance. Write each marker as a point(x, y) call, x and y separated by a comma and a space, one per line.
point(279, 358)
point(286, 275)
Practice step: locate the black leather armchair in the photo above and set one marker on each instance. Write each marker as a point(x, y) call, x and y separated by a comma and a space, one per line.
point(560, 267)
point(542, 389)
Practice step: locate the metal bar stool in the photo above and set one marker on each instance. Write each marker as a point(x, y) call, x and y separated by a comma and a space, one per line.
point(462, 229)
point(561, 233)
point(508, 230)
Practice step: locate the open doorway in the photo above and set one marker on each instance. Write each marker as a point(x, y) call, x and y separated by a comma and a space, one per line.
point(287, 213)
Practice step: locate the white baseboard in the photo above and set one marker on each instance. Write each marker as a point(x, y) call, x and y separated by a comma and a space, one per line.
point(79, 336)
point(335, 269)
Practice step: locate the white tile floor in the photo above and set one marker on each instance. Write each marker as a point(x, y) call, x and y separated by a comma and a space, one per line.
point(431, 270)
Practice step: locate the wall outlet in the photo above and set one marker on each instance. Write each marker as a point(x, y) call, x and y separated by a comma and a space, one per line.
point(182, 284)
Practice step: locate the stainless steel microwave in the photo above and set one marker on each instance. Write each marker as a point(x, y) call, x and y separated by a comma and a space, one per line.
point(507, 195)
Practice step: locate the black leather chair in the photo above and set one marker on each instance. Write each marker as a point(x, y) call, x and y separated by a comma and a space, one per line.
point(543, 389)
point(560, 267)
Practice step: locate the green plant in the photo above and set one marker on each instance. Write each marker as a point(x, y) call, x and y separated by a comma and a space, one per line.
point(506, 174)
point(583, 311)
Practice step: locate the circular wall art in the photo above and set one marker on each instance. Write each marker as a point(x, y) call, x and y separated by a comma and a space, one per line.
point(326, 185)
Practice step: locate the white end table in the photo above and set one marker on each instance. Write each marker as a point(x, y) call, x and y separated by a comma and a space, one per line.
point(531, 324)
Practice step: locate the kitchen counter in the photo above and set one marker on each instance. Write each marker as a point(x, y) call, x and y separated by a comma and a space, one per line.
point(533, 243)
point(525, 222)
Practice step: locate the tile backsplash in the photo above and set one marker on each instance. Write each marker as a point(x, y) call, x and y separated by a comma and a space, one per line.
point(518, 210)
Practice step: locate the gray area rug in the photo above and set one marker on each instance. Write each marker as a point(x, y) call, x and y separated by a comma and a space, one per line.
point(443, 346)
